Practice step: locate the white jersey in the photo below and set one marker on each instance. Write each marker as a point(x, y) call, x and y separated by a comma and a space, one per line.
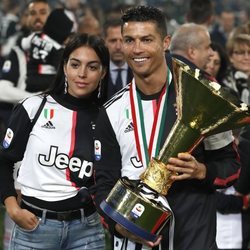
point(58, 156)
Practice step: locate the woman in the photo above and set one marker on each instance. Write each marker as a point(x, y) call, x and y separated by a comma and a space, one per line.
point(237, 78)
point(217, 63)
point(56, 174)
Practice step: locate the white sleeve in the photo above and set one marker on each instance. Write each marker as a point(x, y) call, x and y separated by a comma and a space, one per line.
point(11, 94)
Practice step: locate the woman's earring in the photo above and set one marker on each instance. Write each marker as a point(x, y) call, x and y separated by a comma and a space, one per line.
point(66, 85)
point(99, 89)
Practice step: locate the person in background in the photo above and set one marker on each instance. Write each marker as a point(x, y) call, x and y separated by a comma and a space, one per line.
point(9, 25)
point(44, 50)
point(217, 63)
point(120, 74)
point(237, 77)
point(56, 174)
point(229, 205)
point(74, 9)
point(191, 197)
point(89, 24)
point(14, 70)
point(191, 44)
point(200, 12)
point(224, 26)
point(242, 186)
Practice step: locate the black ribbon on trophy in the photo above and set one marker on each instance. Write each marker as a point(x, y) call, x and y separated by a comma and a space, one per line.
point(141, 207)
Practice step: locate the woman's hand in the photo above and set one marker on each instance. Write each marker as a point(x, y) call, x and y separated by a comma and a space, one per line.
point(22, 217)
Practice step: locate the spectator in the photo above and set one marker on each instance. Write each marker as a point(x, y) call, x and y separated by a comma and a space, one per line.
point(217, 63)
point(90, 25)
point(120, 74)
point(237, 77)
point(9, 24)
point(229, 206)
point(13, 73)
point(200, 12)
point(243, 186)
point(223, 28)
point(44, 50)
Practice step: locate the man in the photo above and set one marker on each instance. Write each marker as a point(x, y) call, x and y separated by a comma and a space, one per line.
point(191, 44)
point(225, 25)
point(13, 72)
point(119, 72)
point(195, 52)
point(200, 12)
point(119, 140)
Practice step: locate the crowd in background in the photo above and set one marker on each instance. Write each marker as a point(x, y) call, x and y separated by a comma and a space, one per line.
point(229, 28)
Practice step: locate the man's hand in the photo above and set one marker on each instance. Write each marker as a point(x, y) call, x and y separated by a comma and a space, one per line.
point(124, 232)
point(186, 167)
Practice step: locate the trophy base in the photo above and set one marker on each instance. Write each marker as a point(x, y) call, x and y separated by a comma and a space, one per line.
point(134, 212)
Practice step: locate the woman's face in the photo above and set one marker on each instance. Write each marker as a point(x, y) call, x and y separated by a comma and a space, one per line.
point(240, 58)
point(83, 71)
point(213, 65)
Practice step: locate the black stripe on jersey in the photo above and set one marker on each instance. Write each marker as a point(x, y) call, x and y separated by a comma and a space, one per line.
point(116, 97)
point(83, 147)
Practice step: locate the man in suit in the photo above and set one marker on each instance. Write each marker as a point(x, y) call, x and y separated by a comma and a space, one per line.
point(119, 72)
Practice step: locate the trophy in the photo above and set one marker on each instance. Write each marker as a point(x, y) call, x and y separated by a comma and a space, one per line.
point(140, 206)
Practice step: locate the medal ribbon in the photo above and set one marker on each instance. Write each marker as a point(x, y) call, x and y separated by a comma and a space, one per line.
point(144, 151)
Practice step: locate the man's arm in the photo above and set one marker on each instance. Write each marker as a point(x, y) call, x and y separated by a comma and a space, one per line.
point(13, 74)
point(107, 162)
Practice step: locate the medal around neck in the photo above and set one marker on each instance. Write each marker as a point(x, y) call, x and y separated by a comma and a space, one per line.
point(203, 108)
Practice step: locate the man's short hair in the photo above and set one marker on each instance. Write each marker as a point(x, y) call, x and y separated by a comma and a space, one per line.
point(146, 14)
point(200, 11)
point(185, 36)
point(112, 22)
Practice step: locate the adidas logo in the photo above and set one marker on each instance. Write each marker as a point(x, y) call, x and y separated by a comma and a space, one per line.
point(49, 125)
point(129, 128)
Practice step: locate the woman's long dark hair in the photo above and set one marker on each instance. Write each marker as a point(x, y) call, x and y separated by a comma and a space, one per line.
point(76, 41)
point(224, 61)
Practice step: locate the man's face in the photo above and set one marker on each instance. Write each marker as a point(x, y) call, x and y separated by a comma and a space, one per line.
point(113, 41)
point(37, 15)
point(203, 51)
point(144, 47)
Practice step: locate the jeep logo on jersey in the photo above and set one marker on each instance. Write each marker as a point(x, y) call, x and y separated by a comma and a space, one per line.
point(62, 161)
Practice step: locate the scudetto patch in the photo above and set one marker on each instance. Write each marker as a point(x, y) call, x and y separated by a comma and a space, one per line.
point(98, 147)
point(8, 138)
point(6, 66)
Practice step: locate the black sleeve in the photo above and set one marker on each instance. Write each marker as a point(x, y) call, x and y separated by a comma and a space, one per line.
point(223, 166)
point(10, 68)
point(243, 184)
point(227, 204)
point(13, 148)
point(108, 167)
point(56, 57)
